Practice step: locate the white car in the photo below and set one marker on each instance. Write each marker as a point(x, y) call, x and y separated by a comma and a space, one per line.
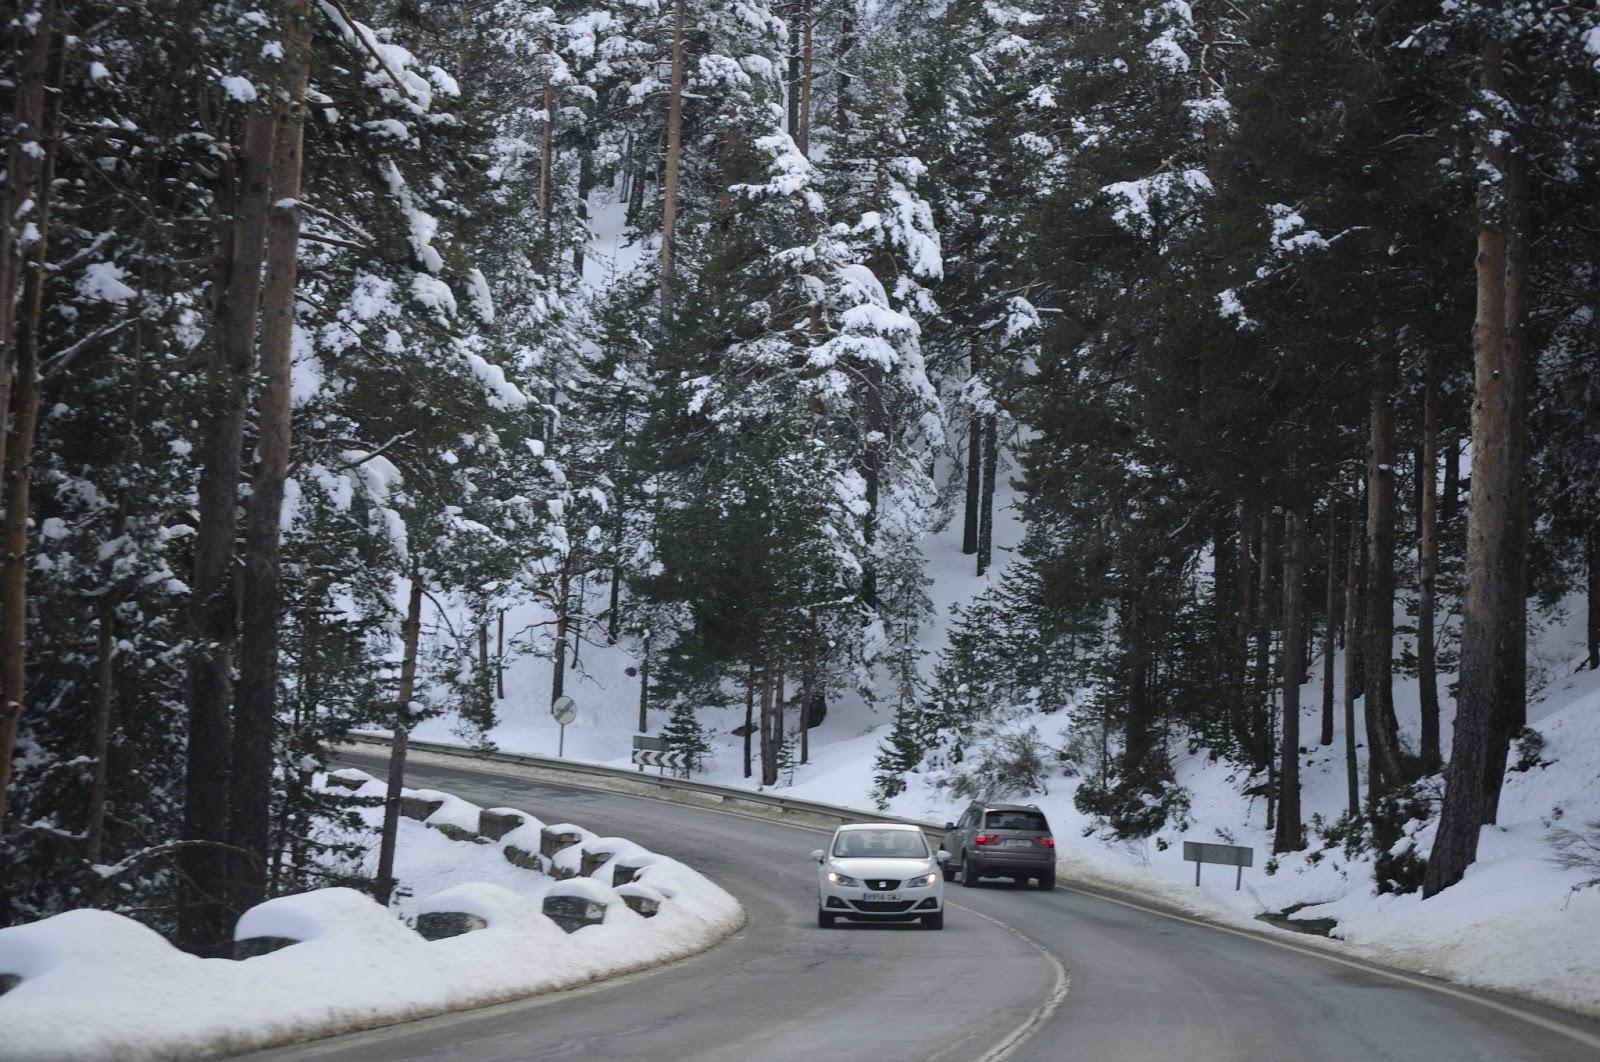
point(880, 872)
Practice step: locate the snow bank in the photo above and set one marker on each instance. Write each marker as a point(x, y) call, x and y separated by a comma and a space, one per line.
point(97, 985)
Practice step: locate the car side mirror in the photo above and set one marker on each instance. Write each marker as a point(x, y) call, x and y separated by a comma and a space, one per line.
point(817, 855)
point(949, 825)
point(942, 856)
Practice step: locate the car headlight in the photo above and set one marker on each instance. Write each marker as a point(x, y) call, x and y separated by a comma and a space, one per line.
point(917, 883)
point(841, 879)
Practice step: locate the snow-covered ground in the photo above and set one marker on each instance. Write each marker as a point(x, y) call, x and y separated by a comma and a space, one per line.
point(1512, 925)
point(97, 985)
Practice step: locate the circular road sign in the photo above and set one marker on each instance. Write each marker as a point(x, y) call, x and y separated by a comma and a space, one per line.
point(565, 710)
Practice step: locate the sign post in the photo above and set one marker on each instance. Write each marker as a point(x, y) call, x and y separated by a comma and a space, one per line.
point(564, 710)
point(1228, 855)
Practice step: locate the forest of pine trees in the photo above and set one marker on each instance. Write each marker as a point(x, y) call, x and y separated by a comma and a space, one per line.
point(334, 328)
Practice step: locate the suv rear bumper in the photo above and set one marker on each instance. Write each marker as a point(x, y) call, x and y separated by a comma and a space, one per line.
point(1000, 861)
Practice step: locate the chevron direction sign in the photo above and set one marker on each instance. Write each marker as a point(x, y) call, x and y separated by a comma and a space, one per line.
point(653, 758)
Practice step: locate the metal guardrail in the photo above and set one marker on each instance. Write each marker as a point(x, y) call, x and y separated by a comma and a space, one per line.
point(676, 790)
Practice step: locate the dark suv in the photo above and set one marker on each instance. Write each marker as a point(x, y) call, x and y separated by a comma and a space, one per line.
point(1001, 841)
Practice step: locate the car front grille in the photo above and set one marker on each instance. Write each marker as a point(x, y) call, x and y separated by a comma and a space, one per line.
point(882, 907)
point(883, 884)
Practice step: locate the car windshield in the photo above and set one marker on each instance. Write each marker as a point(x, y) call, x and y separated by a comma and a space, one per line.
point(1016, 820)
point(880, 844)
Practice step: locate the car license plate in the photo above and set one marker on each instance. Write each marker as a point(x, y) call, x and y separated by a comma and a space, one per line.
point(1015, 842)
point(880, 897)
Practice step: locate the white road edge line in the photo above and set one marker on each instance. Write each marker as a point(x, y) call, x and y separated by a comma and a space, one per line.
point(1571, 1032)
point(1043, 1012)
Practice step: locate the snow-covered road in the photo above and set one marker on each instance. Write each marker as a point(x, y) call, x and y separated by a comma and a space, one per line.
point(1142, 986)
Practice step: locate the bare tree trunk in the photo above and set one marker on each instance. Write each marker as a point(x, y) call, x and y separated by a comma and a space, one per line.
point(24, 412)
point(841, 61)
point(586, 146)
point(669, 193)
point(791, 85)
point(991, 463)
point(1239, 662)
point(808, 687)
point(105, 649)
point(500, 654)
point(802, 138)
point(412, 636)
point(769, 764)
point(1511, 692)
point(644, 687)
point(1592, 558)
point(558, 658)
point(1383, 731)
point(1260, 693)
point(1352, 658)
point(1291, 834)
point(1330, 615)
point(969, 527)
point(21, 201)
point(1493, 612)
point(614, 611)
point(877, 426)
point(1451, 502)
point(255, 708)
point(546, 137)
point(749, 714)
point(213, 597)
point(1428, 556)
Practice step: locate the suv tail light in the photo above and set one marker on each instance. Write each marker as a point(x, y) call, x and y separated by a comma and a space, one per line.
point(986, 838)
point(1048, 842)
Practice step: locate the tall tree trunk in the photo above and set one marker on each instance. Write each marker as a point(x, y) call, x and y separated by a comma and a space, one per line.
point(877, 427)
point(1137, 730)
point(1511, 695)
point(669, 191)
point(791, 86)
point(808, 686)
point(500, 654)
point(1428, 557)
point(586, 178)
point(1592, 559)
point(1352, 658)
point(969, 527)
point(841, 62)
point(1383, 731)
point(1291, 834)
point(1260, 693)
point(1330, 615)
point(802, 138)
point(558, 658)
point(769, 761)
point(546, 148)
point(21, 202)
point(1493, 612)
point(255, 708)
point(1239, 662)
point(411, 636)
point(991, 464)
point(644, 687)
point(213, 597)
point(749, 714)
point(24, 398)
point(618, 532)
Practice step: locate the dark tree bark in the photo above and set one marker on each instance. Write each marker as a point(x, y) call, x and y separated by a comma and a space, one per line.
point(213, 598)
point(1260, 693)
point(411, 636)
point(769, 759)
point(644, 688)
point(558, 657)
point(1290, 835)
point(1493, 612)
point(749, 715)
point(255, 709)
point(1450, 501)
point(24, 397)
point(1330, 615)
point(1137, 729)
point(669, 189)
point(1383, 730)
point(1352, 658)
point(1428, 557)
point(500, 655)
point(586, 145)
point(802, 137)
point(991, 463)
point(872, 459)
point(969, 526)
point(1239, 655)
point(1592, 559)
point(791, 93)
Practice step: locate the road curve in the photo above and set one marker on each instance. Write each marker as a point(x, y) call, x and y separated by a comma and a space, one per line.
point(1143, 987)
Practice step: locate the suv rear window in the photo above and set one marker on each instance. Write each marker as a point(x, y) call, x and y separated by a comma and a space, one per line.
point(1015, 820)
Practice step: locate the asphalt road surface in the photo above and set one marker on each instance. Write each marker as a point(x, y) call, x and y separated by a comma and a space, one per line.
point(1016, 974)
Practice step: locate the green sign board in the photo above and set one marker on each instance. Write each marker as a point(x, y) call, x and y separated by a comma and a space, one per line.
point(649, 743)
